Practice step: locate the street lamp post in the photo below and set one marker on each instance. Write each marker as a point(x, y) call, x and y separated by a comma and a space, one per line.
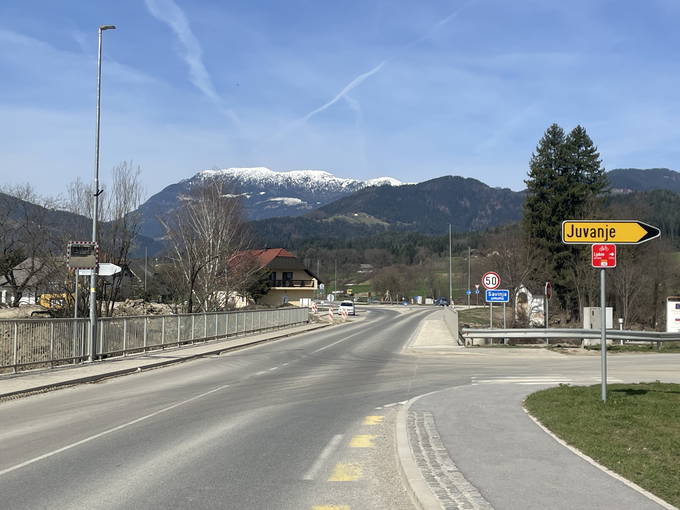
point(468, 277)
point(95, 208)
point(450, 281)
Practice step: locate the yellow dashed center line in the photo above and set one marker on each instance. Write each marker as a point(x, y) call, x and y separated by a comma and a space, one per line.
point(362, 441)
point(346, 473)
point(372, 420)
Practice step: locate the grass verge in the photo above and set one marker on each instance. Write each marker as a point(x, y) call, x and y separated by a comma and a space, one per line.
point(649, 348)
point(636, 433)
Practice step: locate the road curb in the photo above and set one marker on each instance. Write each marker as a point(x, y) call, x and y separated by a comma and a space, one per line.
point(417, 488)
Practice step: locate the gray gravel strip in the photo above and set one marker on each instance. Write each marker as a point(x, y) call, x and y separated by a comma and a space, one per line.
point(447, 483)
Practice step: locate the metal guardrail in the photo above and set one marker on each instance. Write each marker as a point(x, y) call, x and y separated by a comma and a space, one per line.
point(26, 343)
point(582, 334)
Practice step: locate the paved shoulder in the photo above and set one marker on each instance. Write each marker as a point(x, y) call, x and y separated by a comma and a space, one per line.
point(477, 448)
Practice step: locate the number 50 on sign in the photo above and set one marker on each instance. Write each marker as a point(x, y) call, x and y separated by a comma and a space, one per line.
point(491, 280)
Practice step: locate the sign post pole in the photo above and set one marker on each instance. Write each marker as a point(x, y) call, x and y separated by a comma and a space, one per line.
point(603, 336)
point(604, 256)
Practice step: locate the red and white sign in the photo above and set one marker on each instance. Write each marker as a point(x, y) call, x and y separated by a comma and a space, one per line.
point(476, 285)
point(344, 314)
point(330, 313)
point(491, 280)
point(604, 255)
point(548, 290)
point(314, 308)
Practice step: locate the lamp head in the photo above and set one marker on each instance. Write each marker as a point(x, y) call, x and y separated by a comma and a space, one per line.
point(107, 27)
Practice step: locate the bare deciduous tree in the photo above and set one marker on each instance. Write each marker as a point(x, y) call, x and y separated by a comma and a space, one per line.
point(27, 238)
point(204, 236)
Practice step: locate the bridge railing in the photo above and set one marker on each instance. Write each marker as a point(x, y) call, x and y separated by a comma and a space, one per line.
point(32, 343)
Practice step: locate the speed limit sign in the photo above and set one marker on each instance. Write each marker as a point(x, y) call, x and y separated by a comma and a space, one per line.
point(491, 280)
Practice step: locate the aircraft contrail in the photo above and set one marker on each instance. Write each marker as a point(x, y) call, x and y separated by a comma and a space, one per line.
point(354, 104)
point(169, 12)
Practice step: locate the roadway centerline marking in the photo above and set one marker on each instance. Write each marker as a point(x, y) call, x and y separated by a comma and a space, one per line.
point(335, 343)
point(346, 473)
point(109, 431)
point(372, 420)
point(362, 441)
point(325, 453)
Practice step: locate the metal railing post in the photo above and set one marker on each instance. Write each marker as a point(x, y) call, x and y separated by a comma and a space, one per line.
point(163, 332)
point(125, 337)
point(51, 344)
point(145, 332)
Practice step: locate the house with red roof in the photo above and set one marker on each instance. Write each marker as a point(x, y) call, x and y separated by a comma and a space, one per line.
point(290, 281)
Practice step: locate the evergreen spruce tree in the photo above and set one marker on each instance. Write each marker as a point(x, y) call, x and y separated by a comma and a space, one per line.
point(566, 182)
point(543, 207)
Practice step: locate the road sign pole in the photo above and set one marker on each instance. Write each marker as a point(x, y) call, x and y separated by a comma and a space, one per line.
point(504, 316)
point(491, 317)
point(547, 319)
point(603, 335)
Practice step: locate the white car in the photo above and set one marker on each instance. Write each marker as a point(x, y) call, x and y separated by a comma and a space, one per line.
point(347, 305)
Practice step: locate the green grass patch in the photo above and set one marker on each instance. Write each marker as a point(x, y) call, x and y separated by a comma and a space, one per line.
point(479, 317)
point(636, 433)
point(672, 347)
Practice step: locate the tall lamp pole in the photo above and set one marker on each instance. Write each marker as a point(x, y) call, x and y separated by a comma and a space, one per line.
point(468, 277)
point(450, 284)
point(95, 208)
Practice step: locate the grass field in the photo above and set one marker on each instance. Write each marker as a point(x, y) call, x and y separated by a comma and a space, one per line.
point(479, 317)
point(636, 433)
point(646, 348)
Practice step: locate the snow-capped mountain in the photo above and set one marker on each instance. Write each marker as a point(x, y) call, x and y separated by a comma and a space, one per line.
point(266, 193)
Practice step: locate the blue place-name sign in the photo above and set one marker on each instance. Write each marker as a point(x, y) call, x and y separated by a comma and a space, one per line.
point(497, 296)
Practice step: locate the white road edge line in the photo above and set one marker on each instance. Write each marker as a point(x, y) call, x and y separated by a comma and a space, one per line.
point(325, 453)
point(106, 432)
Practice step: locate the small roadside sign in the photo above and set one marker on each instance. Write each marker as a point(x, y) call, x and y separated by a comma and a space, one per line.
point(548, 290)
point(491, 280)
point(497, 296)
point(604, 255)
point(469, 292)
point(82, 255)
point(616, 232)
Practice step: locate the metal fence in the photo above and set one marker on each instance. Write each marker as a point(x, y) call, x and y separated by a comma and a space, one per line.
point(565, 333)
point(27, 343)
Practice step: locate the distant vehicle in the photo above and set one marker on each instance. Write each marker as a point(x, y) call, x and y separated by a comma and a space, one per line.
point(441, 301)
point(349, 306)
point(350, 292)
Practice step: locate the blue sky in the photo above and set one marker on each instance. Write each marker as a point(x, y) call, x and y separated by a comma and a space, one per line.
point(408, 89)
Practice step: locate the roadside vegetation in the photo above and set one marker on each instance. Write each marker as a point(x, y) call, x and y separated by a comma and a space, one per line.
point(650, 348)
point(636, 433)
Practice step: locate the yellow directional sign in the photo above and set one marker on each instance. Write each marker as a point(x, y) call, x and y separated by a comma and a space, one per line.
point(613, 232)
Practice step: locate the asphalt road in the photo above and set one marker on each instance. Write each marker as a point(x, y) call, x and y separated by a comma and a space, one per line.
point(301, 423)
point(265, 427)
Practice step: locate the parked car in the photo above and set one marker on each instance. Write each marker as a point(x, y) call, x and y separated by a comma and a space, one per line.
point(349, 306)
point(441, 301)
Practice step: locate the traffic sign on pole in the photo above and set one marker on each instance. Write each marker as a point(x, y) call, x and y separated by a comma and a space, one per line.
point(604, 255)
point(491, 280)
point(616, 232)
point(497, 296)
point(548, 290)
